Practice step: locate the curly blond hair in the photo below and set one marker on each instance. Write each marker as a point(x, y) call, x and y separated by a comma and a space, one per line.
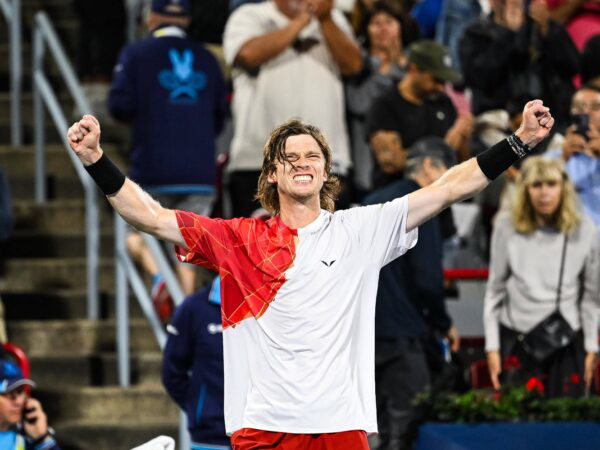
point(274, 151)
point(539, 169)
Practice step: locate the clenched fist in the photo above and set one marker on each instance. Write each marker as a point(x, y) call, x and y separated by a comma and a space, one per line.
point(84, 139)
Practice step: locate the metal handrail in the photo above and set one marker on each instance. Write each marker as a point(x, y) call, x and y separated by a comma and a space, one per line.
point(126, 271)
point(134, 9)
point(44, 36)
point(12, 14)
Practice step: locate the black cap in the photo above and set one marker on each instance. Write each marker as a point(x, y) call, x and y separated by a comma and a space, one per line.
point(432, 57)
point(433, 147)
point(174, 8)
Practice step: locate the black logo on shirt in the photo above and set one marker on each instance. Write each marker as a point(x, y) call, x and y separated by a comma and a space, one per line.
point(328, 264)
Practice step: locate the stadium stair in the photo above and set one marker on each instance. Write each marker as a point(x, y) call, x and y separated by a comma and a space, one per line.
point(43, 288)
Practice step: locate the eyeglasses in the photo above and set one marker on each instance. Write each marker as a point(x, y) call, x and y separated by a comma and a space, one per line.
point(583, 106)
point(14, 394)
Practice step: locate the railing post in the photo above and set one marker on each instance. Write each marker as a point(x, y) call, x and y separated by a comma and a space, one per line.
point(184, 436)
point(16, 74)
point(121, 297)
point(92, 220)
point(38, 118)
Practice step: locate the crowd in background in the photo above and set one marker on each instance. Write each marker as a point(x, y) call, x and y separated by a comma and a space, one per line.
point(403, 90)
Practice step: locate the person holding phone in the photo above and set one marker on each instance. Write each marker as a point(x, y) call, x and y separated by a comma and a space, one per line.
point(580, 149)
point(23, 422)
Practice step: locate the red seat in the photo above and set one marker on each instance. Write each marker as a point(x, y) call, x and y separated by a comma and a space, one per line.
point(480, 375)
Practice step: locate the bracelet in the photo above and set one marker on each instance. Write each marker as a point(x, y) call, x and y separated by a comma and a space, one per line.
point(495, 160)
point(517, 145)
point(107, 176)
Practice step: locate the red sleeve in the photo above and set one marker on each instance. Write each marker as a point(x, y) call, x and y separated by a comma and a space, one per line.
point(208, 241)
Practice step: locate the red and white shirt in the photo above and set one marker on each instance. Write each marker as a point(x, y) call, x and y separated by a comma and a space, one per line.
point(299, 314)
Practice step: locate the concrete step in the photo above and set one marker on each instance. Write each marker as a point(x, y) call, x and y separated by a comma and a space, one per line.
point(108, 405)
point(52, 135)
point(77, 337)
point(59, 216)
point(57, 187)
point(20, 162)
point(45, 273)
point(99, 436)
point(27, 103)
point(53, 372)
point(60, 304)
point(29, 244)
point(52, 304)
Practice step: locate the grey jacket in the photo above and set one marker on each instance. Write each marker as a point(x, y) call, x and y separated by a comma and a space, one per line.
point(524, 274)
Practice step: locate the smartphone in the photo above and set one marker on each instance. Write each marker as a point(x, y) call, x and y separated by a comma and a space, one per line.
point(582, 124)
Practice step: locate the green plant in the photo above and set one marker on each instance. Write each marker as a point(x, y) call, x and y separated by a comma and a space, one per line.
point(526, 403)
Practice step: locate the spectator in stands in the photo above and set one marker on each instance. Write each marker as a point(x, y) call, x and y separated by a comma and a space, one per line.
point(288, 57)
point(410, 306)
point(415, 108)
point(590, 62)
point(455, 16)
point(580, 149)
point(172, 92)
point(193, 366)
point(384, 38)
point(23, 422)
point(101, 33)
point(543, 257)
point(579, 17)
point(515, 53)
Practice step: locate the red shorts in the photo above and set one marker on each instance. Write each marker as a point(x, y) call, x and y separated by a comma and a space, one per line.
point(251, 439)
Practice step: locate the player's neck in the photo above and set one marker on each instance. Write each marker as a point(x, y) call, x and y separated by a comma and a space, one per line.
point(296, 214)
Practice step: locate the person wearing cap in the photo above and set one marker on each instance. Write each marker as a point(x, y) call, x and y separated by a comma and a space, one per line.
point(172, 92)
point(410, 313)
point(415, 108)
point(23, 422)
point(287, 58)
point(385, 32)
point(517, 51)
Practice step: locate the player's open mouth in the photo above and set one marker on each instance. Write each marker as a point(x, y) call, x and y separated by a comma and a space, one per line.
point(303, 178)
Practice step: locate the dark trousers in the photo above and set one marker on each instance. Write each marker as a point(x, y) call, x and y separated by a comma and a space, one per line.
point(401, 372)
point(561, 373)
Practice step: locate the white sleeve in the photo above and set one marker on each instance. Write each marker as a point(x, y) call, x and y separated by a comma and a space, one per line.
point(244, 24)
point(381, 230)
point(340, 20)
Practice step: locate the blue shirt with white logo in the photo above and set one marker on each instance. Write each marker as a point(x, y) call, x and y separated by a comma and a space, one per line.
point(172, 91)
point(193, 365)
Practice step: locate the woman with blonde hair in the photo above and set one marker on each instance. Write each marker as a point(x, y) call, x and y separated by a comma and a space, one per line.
point(542, 297)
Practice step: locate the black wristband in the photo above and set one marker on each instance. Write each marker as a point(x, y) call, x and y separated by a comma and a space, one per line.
point(497, 159)
point(107, 176)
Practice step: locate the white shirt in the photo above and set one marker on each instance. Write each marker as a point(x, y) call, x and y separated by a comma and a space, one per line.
point(304, 85)
point(304, 361)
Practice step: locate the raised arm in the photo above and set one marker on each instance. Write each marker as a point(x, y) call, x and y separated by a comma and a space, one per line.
point(470, 177)
point(129, 200)
point(343, 48)
point(261, 49)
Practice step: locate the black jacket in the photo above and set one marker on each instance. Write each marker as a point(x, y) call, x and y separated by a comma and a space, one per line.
point(500, 65)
